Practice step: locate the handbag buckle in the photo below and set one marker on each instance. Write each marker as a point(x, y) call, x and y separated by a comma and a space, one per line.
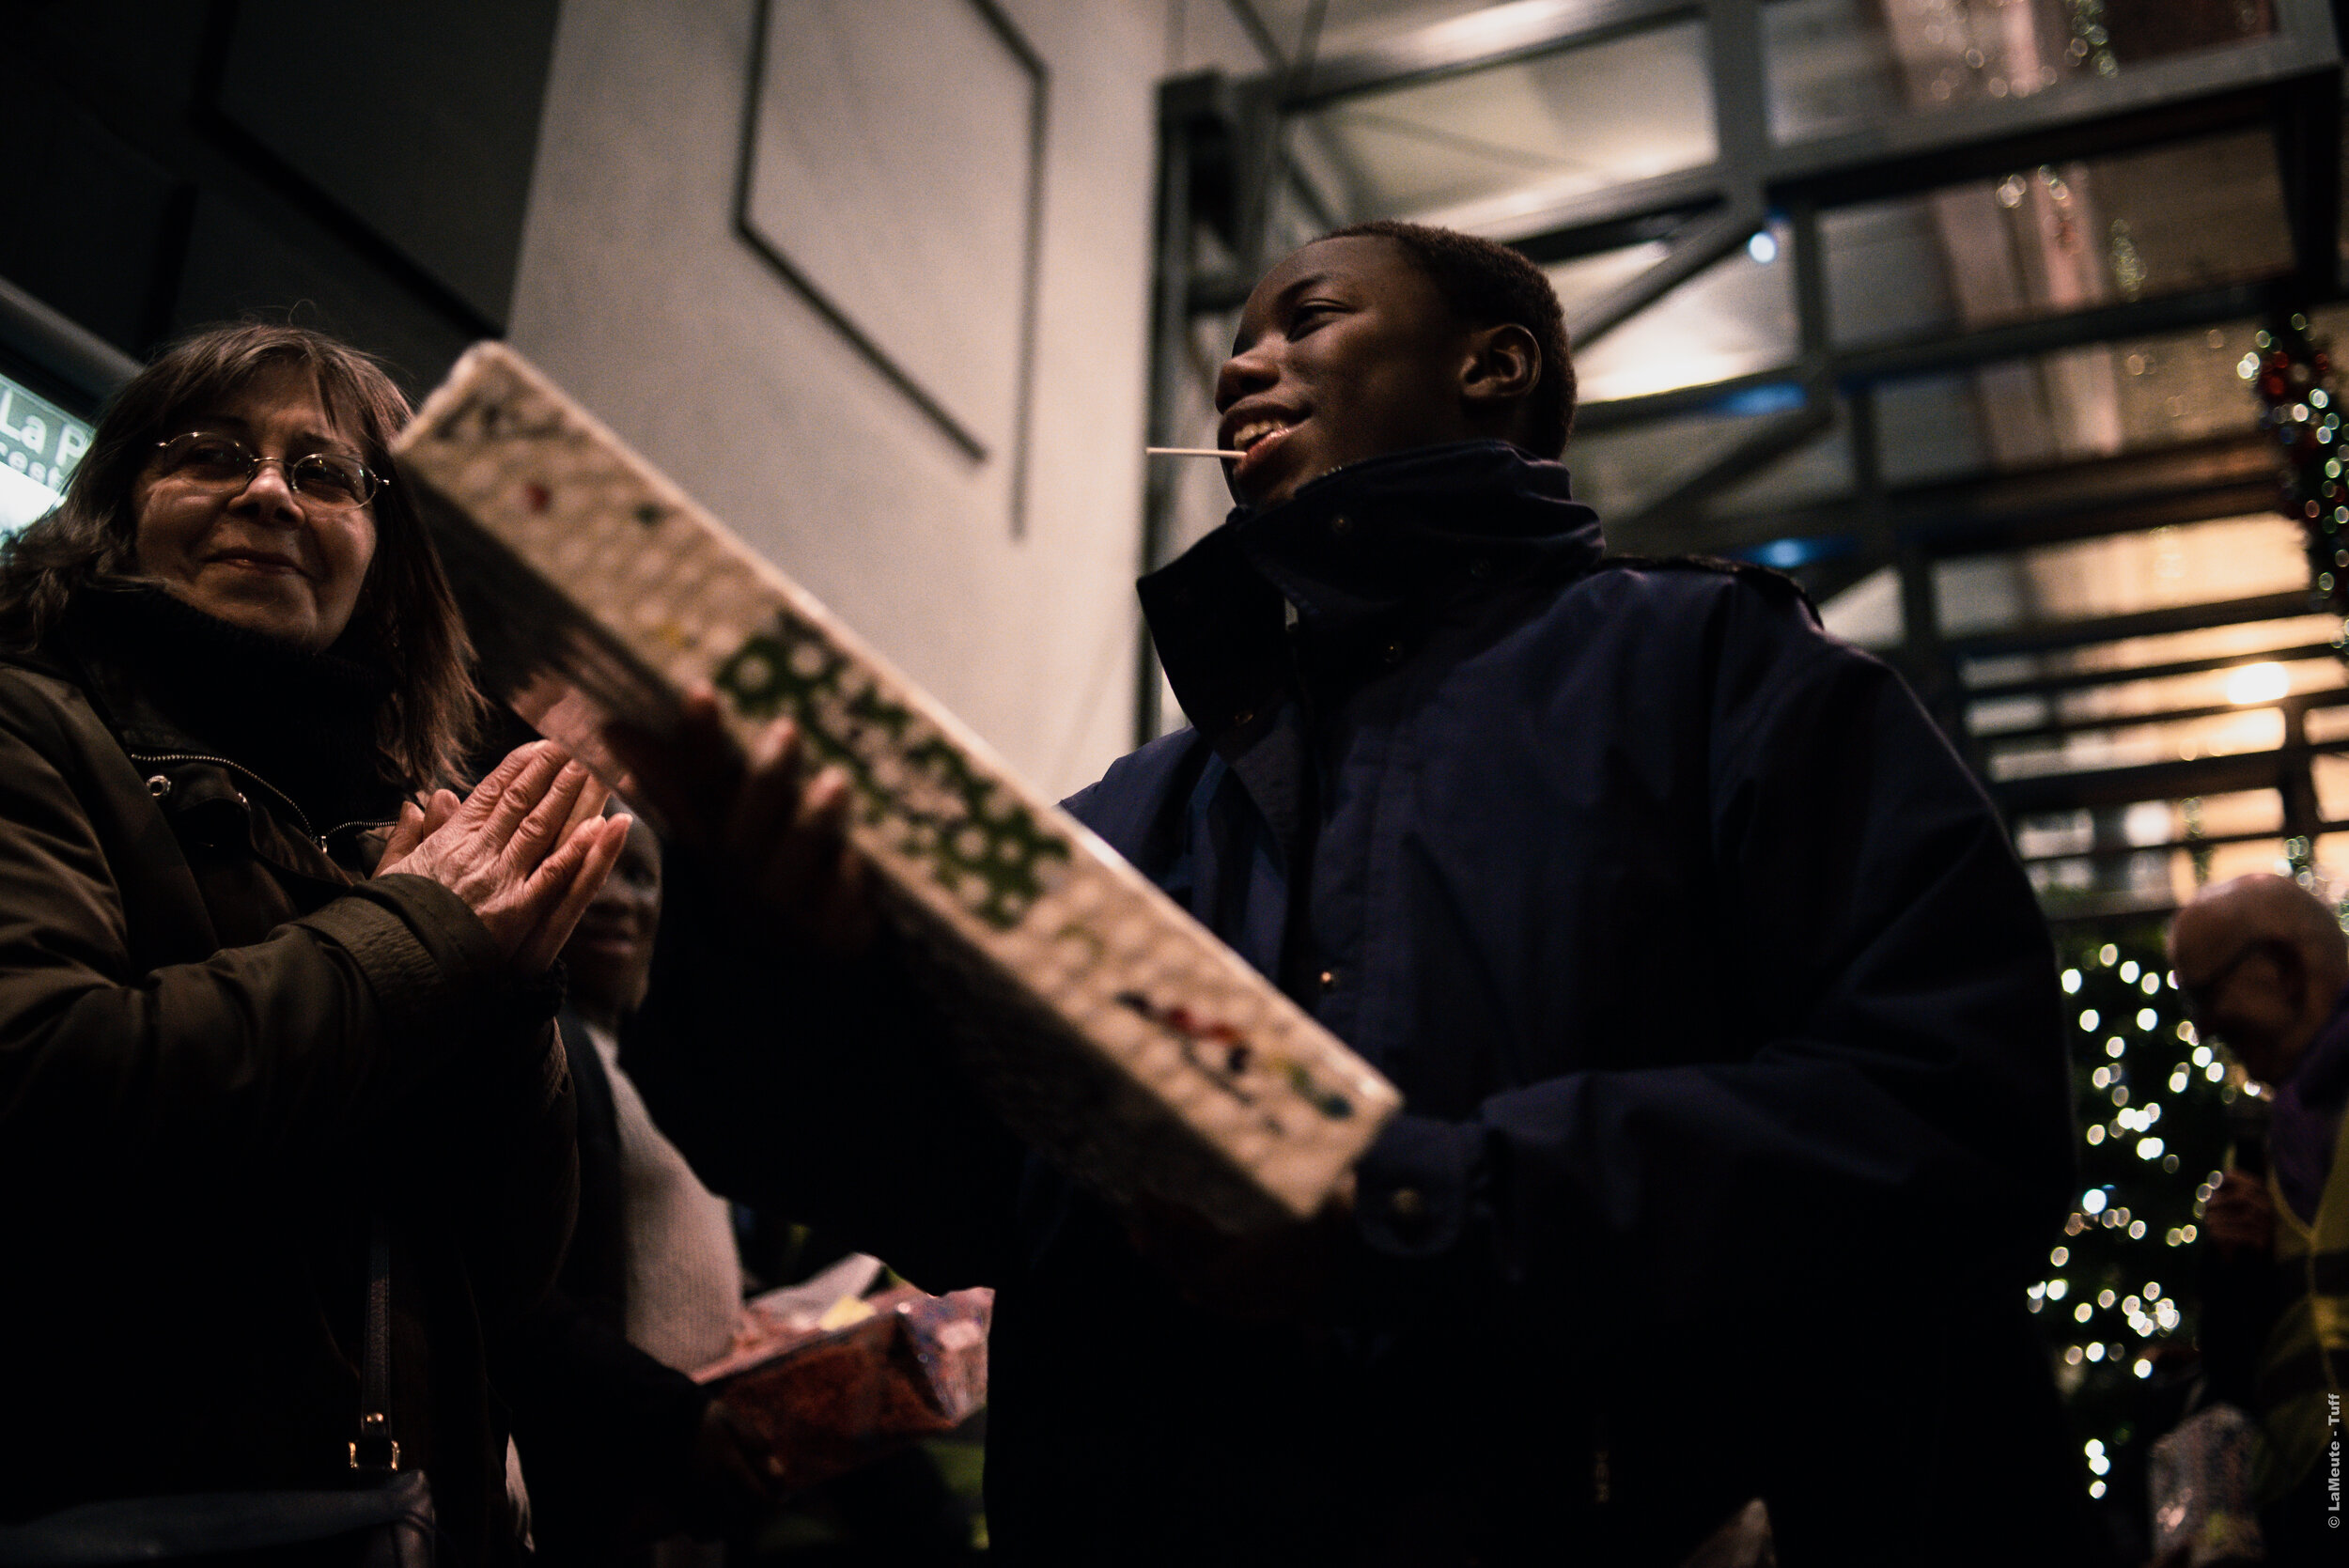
point(380, 1450)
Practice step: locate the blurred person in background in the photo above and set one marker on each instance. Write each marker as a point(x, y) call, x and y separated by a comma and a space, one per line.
point(620, 1448)
point(244, 1028)
point(2264, 969)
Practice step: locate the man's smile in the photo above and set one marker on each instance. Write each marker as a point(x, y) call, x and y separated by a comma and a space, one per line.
point(1258, 433)
point(1248, 435)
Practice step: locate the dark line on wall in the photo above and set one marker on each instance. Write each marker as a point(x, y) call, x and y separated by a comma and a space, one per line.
point(970, 444)
point(1039, 109)
point(1258, 33)
point(323, 209)
point(891, 371)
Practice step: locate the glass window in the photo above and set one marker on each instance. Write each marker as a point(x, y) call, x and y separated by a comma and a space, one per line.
point(1869, 612)
point(2236, 686)
point(1556, 125)
point(1830, 65)
point(2248, 811)
point(2122, 574)
point(2057, 845)
point(1733, 318)
point(1818, 469)
point(2206, 693)
point(2094, 401)
point(1587, 279)
point(2326, 725)
point(2258, 662)
point(1622, 470)
point(2222, 735)
point(2247, 640)
point(2057, 239)
point(1930, 427)
point(2332, 786)
point(2227, 861)
point(2331, 863)
point(1836, 65)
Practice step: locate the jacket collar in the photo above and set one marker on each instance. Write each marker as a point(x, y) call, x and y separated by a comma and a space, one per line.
point(1386, 538)
point(171, 681)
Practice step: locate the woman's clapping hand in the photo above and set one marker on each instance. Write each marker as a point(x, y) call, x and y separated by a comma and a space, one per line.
point(527, 850)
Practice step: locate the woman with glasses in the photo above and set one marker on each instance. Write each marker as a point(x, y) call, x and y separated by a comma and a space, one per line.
point(274, 1000)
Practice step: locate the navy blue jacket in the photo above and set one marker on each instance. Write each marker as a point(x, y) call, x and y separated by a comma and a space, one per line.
point(1737, 1103)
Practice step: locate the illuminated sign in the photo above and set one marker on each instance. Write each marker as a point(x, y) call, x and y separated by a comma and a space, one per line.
point(40, 443)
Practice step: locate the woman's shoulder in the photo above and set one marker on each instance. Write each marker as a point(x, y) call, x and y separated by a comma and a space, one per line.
point(58, 750)
point(44, 702)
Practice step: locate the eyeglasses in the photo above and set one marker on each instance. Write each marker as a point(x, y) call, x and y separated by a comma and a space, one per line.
point(327, 479)
point(2200, 993)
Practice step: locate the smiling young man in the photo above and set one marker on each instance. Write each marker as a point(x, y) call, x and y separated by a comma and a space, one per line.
point(1341, 343)
point(1736, 1109)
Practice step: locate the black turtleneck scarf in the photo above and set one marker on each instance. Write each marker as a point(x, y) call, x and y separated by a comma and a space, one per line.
point(1357, 552)
point(171, 678)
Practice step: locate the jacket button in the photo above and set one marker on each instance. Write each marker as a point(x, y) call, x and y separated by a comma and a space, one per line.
point(1329, 980)
point(1392, 653)
point(1341, 526)
point(159, 786)
point(1408, 1204)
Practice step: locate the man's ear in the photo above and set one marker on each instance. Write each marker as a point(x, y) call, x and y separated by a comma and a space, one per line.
point(1503, 365)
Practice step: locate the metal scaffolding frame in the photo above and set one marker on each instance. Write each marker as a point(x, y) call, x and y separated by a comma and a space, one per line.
point(1223, 141)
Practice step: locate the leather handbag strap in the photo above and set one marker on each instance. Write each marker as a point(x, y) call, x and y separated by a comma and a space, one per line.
point(375, 1449)
point(205, 1526)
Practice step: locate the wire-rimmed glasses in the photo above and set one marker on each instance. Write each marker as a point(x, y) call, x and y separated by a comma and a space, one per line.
point(333, 480)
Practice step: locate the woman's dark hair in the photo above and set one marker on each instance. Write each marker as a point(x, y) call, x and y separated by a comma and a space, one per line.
point(406, 623)
point(1488, 285)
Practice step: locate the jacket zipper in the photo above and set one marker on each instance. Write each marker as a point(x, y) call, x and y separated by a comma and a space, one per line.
point(300, 816)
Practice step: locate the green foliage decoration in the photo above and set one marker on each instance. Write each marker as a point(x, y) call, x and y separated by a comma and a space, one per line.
point(2119, 1299)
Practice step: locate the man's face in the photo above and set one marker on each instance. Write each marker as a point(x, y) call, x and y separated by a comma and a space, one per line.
point(2239, 995)
point(1345, 352)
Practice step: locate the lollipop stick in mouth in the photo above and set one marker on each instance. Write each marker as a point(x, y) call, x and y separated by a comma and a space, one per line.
point(1189, 452)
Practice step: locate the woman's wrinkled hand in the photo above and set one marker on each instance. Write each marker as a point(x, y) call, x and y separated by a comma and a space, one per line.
point(777, 839)
point(527, 850)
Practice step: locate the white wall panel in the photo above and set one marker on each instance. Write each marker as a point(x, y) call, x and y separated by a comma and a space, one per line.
point(891, 171)
point(639, 293)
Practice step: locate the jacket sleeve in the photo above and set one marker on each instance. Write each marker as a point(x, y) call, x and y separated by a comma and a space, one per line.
point(604, 1430)
point(1889, 1096)
point(818, 1091)
point(109, 1066)
point(503, 1158)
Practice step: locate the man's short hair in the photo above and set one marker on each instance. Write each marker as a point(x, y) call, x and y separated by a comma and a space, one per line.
point(1488, 285)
